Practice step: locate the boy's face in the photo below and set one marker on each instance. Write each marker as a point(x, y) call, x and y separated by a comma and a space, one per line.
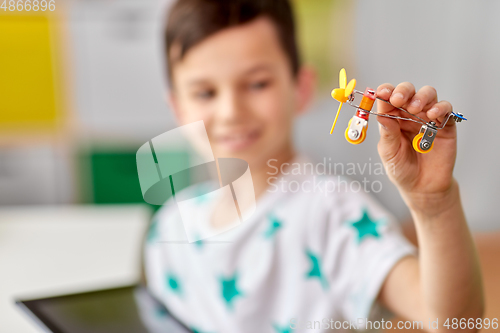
point(240, 83)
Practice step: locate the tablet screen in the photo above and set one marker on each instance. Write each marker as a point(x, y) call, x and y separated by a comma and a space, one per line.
point(120, 310)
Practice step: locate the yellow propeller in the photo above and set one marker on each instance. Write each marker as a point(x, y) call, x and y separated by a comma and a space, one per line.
point(342, 94)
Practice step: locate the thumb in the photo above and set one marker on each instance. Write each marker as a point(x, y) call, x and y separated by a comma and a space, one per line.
point(390, 137)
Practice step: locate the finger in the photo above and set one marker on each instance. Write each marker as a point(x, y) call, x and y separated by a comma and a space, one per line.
point(424, 98)
point(384, 91)
point(402, 94)
point(439, 111)
point(390, 137)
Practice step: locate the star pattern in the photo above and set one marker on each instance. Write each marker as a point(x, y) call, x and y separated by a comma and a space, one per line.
point(196, 330)
point(274, 225)
point(315, 270)
point(173, 284)
point(152, 231)
point(199, 244)
point(230, 289)
point(282, 329)
point(365, 226)
point(201, 192)
point(161, 312)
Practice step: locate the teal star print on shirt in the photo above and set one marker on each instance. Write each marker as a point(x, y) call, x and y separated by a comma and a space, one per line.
point(195, 330)
point(230, 289)
point(365, 226)
point(199, 243)
point(153, 231)
point(315, 270)
point(201, 192)
point(274, 225)
point(161, 312)
point(283, 329)
point(173, 284)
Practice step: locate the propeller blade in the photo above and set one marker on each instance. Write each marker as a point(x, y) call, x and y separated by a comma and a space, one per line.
point(339, 95)
point(350, 87)
point(335, 121)
point(342, 78)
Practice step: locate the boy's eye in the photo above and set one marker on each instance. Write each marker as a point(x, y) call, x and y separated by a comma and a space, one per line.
point(204, 94)
point(258, 85)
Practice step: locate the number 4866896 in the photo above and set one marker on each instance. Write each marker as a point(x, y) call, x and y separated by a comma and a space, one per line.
point(471, 323)
point(28, 5)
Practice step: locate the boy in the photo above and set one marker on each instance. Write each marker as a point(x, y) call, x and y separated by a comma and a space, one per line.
point(304, 258)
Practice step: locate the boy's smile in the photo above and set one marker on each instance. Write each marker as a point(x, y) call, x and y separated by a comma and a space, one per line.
point(237, 141)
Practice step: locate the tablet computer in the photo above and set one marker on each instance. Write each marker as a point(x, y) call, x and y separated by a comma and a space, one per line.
point(130, 309)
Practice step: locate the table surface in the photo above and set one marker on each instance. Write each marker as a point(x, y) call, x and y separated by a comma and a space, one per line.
point(64, 249)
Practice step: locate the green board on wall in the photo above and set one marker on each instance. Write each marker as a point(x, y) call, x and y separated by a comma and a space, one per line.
point(112, 176)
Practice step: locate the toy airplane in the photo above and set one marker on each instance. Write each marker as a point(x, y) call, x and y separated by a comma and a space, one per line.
point(355, 133)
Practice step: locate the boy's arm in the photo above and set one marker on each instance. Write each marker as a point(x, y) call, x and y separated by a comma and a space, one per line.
point(445, 281)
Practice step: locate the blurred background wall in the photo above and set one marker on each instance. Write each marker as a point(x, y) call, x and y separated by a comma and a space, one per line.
point(81, 88)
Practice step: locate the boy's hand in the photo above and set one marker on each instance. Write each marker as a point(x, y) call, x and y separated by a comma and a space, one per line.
point(432, 285)
point(425, 180)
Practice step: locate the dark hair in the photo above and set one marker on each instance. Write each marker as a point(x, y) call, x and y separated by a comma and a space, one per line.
point(191, 21)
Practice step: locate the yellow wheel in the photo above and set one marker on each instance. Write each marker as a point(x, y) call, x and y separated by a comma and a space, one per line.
point(361, 137)
point(416, 144)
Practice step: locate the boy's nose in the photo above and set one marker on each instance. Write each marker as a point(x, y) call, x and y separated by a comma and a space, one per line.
point(231, 106)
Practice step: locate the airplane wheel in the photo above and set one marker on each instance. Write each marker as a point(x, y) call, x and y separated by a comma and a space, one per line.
point(416, 144)
point(361, 137)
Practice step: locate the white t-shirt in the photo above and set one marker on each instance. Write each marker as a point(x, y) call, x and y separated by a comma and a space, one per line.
point(305, 261)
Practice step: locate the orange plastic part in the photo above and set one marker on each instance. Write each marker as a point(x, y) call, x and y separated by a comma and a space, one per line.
point(366, 103)
point(416, 144)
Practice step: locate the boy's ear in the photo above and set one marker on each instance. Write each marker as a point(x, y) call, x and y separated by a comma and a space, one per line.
point(171, 100)
point(306, 86)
